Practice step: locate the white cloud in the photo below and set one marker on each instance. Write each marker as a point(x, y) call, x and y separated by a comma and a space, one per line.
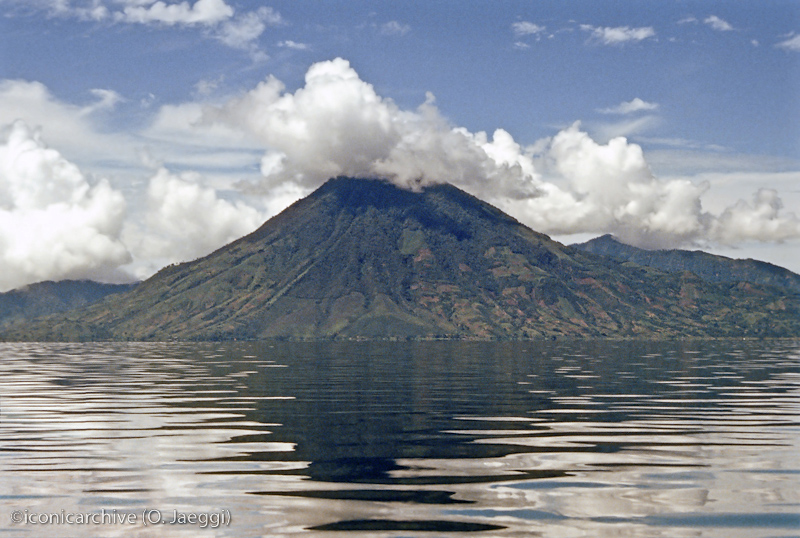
point(760, 220)
point(178, 136)
point(75, 233)
point(521, 45)
point(89, 10)
point(68, 127)
point(395, 28)
point(522, 28)
point(718, 24)
point(791, 44)
point(728, 188)
point(206, 87)
point(175, 135)
point(619, 34)
point(186, 220)
point(106, 100)
point(627, 127)
point(205, 12)
point(32, 101)
point(689, 19)
point(53, 223)
point(242, 31)
point(629, 107)
point(95, 12)
point(610, 187)
point(289, 44)
point(216, 18)
point(337, 125)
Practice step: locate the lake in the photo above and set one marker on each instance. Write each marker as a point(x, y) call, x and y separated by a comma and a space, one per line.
point(565, 439)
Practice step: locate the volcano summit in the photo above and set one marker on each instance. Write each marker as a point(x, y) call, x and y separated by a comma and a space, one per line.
point(362, 258)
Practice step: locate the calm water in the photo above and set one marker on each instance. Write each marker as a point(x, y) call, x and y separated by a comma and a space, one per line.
point(401, 439)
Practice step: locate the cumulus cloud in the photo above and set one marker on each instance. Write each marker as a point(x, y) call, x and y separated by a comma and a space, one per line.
point(610, 187)
point(335, 124)
point(629, 107)
point(186, 219)
point(760, 220)
point(718, 24)
point(791, 44)
point(618, 35)
point(54, 224)
point(338, 125)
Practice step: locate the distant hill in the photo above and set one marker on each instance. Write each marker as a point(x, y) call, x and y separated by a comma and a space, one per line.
point(362, 258)
point(49, 297)
point(709, 267)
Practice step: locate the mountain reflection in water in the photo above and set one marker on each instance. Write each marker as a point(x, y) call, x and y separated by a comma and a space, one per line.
point(392, 439)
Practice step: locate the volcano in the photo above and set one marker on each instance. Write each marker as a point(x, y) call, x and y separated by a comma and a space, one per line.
point(364, 259)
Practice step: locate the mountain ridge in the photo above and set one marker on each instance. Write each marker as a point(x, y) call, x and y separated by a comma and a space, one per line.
point(709, 267)
point(361, 258)
point(48, 297)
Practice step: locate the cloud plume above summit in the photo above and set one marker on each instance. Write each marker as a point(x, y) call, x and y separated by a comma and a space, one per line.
point(336, 124)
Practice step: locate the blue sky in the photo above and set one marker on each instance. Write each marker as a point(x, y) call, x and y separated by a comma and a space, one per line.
point(150, 132)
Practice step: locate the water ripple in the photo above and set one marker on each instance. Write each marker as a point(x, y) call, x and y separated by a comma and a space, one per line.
point(566, 438)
